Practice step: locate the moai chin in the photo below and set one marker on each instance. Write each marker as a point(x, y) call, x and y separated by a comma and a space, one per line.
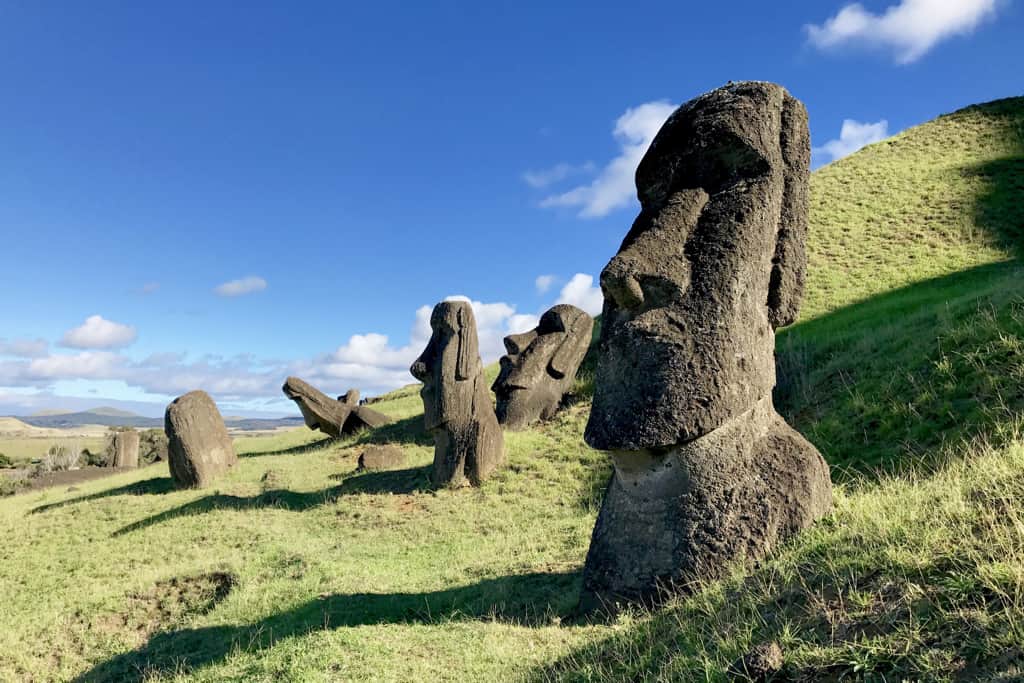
point(705, 471)
point(457, 407)
point(540, 366)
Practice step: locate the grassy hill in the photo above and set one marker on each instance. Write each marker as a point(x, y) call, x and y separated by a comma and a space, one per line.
point(906, 371)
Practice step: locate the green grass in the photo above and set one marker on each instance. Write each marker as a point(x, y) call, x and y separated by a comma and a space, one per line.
point(24, 449)
point(906, 371)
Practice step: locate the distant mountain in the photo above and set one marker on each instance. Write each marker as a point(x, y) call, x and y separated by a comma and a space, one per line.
point(112, 417)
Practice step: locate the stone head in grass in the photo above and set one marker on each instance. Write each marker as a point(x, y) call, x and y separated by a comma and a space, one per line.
point(332, 417)
point(541, 366)
point(706, 472)
point(457, 407)
point(199, 448)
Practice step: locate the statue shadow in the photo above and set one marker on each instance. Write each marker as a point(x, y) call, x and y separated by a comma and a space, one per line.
point(408, 430)
point(300, 449)
point(532, 600)
point(395, 481)
point(154, 486)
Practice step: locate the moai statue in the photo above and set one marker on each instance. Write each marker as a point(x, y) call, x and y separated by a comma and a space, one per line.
point(334, 418)
point(705, 471)
point(541, 366)
point(126, 449)
point(457, 408)
point(199, 448)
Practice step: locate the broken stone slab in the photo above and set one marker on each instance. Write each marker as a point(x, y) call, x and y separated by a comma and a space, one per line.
point(384, 457)
point(126, 449)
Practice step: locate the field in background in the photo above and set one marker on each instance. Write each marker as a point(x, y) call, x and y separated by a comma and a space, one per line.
point(906, 371)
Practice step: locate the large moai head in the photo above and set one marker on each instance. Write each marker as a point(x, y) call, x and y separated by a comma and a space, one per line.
point(706, 473)
point(450, 365)
point(457, 408)
point(199, 447)
point(711, 266)
point(541, 366)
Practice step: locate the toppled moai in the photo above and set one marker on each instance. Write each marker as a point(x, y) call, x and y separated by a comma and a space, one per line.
point(706, 473)
point(541, 365)
point(332, 417)
point(199, 448)
point(126, 449)
point(457, 407)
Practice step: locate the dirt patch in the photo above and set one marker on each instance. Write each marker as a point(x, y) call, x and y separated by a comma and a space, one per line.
point(167, 604)
point(72, 477)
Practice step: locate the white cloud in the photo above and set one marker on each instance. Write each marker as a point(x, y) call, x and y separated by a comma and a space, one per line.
point(910, 29)
point(24, 348)
point(852, 137)
point(98, 333)
point(556, 173)
point(543, 283)
point(581, 292)
point(245, 285)
point(149, 288)
point(614, 186)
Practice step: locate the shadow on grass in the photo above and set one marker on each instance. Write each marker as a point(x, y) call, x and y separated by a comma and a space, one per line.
point(396, 481)
point(155, 486)
point(528, 599)
point(292, 450)
point(406, 431)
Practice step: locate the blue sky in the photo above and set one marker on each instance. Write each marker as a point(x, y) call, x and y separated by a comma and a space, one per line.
point(193, 195)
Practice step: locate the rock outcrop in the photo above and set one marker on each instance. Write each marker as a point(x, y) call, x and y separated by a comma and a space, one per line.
point(384, 457)
point(706, 472)
point(199, 448)
point(540, 366)
point(457, 407)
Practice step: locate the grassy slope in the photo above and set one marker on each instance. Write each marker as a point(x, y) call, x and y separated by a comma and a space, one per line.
point(908, 346)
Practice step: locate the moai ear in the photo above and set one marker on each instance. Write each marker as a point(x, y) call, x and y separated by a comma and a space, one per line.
point(571, 350)
point(465, 366)
point(789, 263)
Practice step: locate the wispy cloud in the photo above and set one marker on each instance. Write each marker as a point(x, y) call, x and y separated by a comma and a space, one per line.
point(24, 348)
point(149, 288)
point(613, 188)
point(581, 292)
point(543, 283)
point(99, 333)
point(245, 285)
point(558, 172)
point(853, 136)
point(909, 29)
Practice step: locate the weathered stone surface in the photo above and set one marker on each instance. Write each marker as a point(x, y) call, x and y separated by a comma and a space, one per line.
point(706, 472)
point(335, 418)
point(386, 457)
point(457, 408)
point(362, 417)
point(126, 449)
point(350, 398)
point(199, 448)
point(541, 366)
point(319, 411)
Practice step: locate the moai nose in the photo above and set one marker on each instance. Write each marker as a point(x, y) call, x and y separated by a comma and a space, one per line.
point(623, 289)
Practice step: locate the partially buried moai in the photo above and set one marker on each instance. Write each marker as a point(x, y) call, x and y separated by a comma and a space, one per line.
point(126, 449)
point(457, 407)
point(705, 471)
point(541, 366)
point(199, 448)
